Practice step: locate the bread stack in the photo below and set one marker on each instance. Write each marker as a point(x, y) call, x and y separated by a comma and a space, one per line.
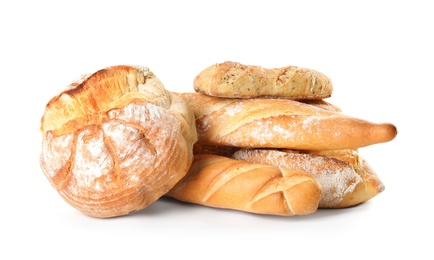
point(269, 143)
point(251, 139)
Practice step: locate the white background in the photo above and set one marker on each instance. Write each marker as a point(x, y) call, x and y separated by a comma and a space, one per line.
point(379, 55)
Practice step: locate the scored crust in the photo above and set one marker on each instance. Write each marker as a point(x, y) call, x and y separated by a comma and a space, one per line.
point(235, 80)
point(280, 123)
point(345, 178)
point(116, 141)
point(222, 182)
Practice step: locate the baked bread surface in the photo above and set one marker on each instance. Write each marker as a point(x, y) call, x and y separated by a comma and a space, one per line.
point(236, 80)
point(115, 141)
point(221, 182)
point(280, 123)
point(345, 178)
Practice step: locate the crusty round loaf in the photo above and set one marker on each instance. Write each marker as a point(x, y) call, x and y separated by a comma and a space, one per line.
point(115, 141)
point(236, 80)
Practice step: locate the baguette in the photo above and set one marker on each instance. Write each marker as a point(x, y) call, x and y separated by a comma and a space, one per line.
point(280, 123)
point(346, 178)
point(235, 80)
point(221, 182)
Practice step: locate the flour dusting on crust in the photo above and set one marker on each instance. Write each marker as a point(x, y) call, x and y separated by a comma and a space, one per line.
point(337, 178)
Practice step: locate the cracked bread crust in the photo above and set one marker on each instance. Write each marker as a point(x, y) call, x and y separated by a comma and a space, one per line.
point(346, 178)
point(115, 141)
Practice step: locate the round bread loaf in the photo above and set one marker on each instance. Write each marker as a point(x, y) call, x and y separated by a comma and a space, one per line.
point(115, 141)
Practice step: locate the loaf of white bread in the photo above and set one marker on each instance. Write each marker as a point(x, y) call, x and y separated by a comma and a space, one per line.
point(115, 141)
point(248, 117)
point(252, 139)
point(280, 123)
point(346, 178)
point(222, 182)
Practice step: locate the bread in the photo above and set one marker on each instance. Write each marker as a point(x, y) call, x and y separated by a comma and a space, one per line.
point(235, 80)
point(345, 178)
point(227, 151)
point(221, 182)
point(321, 103)
point(280, 123)
point(116, 141)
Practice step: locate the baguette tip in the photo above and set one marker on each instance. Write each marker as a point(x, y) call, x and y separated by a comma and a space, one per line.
point(389, 131)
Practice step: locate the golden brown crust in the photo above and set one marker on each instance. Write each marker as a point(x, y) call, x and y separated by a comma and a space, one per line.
point(346, 179)
point(83, 100)
point(280, 123)
point(116, 141)
point(321, 103)
point(235, 80)
point(222, 182)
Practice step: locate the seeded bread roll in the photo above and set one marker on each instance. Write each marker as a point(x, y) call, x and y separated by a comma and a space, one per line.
point(280, 123)
point(115, 141)
point(221, 182)
point(345, 178)
point(235, 80)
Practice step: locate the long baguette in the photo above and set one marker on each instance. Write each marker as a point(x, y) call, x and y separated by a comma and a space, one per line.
point(346, 178)
point(280, 123)
point(222, 182)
